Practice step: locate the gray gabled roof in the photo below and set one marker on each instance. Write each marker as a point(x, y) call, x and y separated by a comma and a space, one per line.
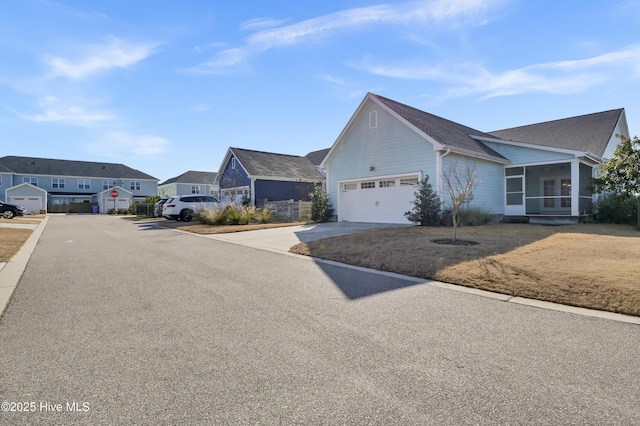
point(588, 133)
point(269, 164)
point(316, 157)
point(193, 177)
point(448, 133)
point(52, 167)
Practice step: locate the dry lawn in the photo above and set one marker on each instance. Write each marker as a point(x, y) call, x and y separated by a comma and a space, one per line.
point(198, 228)
point(11, 240)
point(589, 265)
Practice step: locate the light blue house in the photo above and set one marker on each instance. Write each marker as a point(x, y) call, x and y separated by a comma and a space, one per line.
point(37, 183)
point(537, 172)
point(189, 182)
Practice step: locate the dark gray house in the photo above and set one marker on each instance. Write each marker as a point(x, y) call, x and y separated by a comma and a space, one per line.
point(269, 176)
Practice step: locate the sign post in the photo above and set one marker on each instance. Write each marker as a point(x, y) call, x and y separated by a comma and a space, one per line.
point(114, 195)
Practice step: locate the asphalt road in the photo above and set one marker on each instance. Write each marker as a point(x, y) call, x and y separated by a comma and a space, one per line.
point(121, 323)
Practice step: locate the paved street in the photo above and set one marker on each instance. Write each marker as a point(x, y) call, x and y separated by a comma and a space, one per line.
point(124, 323)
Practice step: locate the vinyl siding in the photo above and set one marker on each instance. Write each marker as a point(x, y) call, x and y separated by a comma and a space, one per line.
point(489, 195)
point(521, 155)
point(231, 177)
point(147, 188)
point(5, 182)
point(614, 141)
point(391, 147)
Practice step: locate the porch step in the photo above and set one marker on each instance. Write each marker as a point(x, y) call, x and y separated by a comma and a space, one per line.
point(514, 219)
point(554, 220)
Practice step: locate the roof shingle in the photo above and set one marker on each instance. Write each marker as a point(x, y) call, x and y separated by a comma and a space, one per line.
point(268, 164)
point(589, 133)
point(53, 167)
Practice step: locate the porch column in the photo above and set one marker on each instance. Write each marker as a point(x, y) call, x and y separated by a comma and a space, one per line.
point(575, 188)
point(252, 188)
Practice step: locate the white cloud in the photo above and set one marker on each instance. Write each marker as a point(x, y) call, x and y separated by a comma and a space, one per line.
point(117, 53)
point(201, 107)
point(260, 23)
point(75, 116)
point(119, 144)
point(405, 14)
point(553, 77)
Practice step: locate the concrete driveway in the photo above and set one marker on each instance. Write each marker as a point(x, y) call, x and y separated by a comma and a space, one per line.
point(282, 239)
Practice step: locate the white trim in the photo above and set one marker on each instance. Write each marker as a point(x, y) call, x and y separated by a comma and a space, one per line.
point(538, 147)
point(286, 179)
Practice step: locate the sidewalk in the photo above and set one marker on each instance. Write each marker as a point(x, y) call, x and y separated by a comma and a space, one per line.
point(10, 272)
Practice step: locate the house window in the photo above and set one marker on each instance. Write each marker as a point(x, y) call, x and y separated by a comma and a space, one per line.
point(565, 192)
point(0, 180)
point(233, 162)
point(412, 181)
point(367, 185)
point(349, 186)
point(387, 183)
point(32, 180)
point(134, 185)
point(373, 119)
point(84, 184)
point(58, 183)
point(106, 184)
point(195, 189)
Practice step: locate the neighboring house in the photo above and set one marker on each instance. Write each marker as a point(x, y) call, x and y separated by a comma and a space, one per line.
point(190, 182)
point(316, 158)
point(536, 171)
point(37, 183)
point(266, 176)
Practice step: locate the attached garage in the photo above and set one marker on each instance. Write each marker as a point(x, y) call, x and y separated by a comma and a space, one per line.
point(383, 199)
point(32, 205)
point(31, 197)
point(114, 198)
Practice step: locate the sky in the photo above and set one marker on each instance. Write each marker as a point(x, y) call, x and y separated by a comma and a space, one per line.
point(167, 86)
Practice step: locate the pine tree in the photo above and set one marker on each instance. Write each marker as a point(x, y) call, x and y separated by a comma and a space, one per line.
point(426, 207)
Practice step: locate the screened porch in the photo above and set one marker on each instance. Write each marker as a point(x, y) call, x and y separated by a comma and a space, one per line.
point(549, 190)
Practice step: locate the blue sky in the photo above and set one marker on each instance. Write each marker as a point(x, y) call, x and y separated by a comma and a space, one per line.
point(167, 86)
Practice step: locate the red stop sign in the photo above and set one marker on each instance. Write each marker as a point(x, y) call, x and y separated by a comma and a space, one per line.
point(114, 193)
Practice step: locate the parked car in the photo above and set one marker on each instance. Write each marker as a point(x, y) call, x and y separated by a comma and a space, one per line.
point(184, 207)
point(157, 208)
point(9, 211)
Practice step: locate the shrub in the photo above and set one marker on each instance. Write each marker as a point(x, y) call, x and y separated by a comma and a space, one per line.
point(616, 208)
point(474, 216)
point(234, 215)
point(426, 207)
point(111, 211)
point(320, 207)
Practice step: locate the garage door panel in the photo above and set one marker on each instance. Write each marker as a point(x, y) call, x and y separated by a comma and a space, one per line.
point(383, 200)
point(31, 204)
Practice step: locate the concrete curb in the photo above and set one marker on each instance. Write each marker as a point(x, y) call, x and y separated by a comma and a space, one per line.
point(12, 271)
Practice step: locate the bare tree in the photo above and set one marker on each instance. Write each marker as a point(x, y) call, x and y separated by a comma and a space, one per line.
point(459, 186)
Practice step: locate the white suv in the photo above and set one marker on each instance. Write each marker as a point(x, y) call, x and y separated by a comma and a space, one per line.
point(184, 207)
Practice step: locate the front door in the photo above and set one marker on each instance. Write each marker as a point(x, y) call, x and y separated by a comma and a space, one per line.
point(514, 203)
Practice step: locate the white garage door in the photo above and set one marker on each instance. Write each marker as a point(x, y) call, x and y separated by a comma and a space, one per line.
point(31, 204)
point(379, 200)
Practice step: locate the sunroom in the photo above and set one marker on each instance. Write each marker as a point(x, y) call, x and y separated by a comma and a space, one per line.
point(551, 189)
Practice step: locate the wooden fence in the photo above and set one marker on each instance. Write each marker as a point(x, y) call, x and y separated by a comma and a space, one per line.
point(294, 211)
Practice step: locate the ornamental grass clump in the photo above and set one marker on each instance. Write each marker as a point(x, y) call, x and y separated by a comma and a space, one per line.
point(235, 215)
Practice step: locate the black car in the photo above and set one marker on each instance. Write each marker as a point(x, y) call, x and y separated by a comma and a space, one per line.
point(8, 211)
point(158, 207)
